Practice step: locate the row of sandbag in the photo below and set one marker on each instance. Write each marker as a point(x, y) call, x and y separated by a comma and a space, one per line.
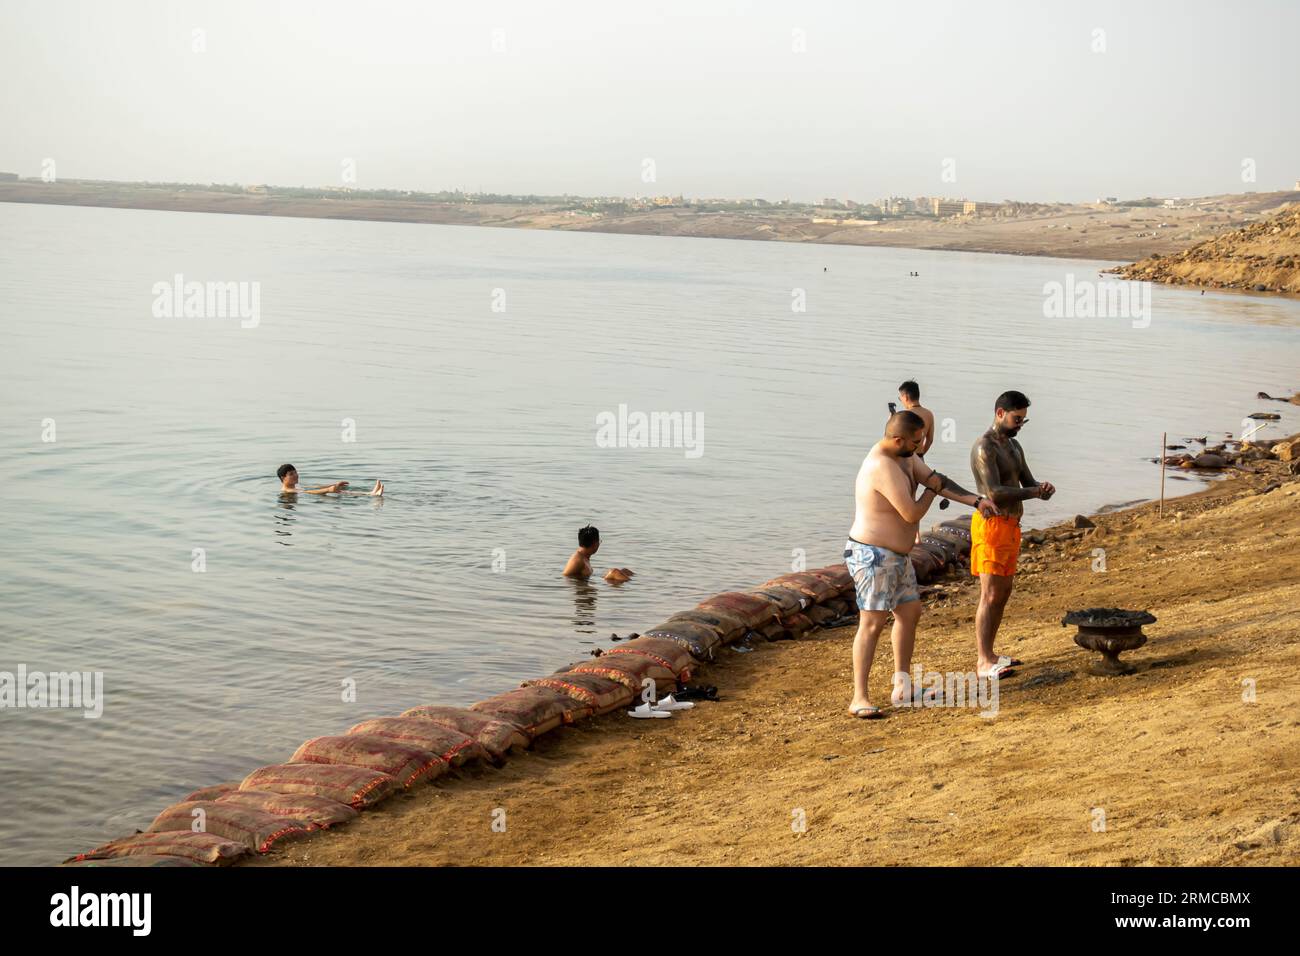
point(329, 779)
point(944, 546)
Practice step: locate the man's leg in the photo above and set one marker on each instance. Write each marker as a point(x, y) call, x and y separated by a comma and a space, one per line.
point(995, 589)
point(870, 624)
point(904, 640)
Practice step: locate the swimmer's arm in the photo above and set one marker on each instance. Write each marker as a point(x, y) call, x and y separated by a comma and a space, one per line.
point(983, 461)
point(327, 490)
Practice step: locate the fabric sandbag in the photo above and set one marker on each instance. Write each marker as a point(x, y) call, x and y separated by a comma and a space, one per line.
point(534, 710)
point(924, 564)
point(602, 694)
point(497, 737)
point(404, 763)
point(630, 670)
point(355, 786)
point(807, 583)
point(726, 625)
point(786, 600)
point(214, 791)
point(949, 549)
point(754, 610)
point(819, 614)
point(798, 624)
point(700, 639)
point(320, 812)
point(670, 654)
point(956, 538)
point(139, 859)
point(256, 829)
point(837, 576)
point(186, 844)
point(451, 745)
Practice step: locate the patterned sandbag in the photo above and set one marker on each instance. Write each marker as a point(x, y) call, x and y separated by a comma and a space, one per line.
point(755, 611)
point(630, 670)
point(534, 710)
point(817, 588)
point(451, 745)
point(320, 812)
point(787, 600)
point(842, 605)
point(404, 763)
point(496, 736)
point(673, 656)
point(355, 786)
point(256, 829)
point(962, 522)
point(213, 792)
point(601, 693)
point(949, 549)
point(777, 630)
point(700, 639)
point(959, 539)
point(199, 847)
point(727, 625)
point(139, 859)
point(939, 553)
point(837, 576)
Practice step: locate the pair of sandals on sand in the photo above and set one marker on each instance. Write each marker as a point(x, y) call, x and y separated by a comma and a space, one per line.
point(1003, 668)
point(665, 707)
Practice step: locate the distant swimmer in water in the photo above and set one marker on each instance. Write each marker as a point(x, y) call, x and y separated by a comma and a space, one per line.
point(910, 395)
point(579, 565)
point(288, 476)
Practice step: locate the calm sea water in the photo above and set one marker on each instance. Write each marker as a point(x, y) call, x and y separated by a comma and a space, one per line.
point(468, 368)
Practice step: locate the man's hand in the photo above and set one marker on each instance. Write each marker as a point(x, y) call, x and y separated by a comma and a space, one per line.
point(1046, 489)
point(339, 486)
point(988, 509)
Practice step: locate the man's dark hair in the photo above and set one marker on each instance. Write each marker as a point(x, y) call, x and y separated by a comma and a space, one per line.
point(284, 470)
point(903, 423)
point(911, 390)
point(588, 536)
point(1010, 401)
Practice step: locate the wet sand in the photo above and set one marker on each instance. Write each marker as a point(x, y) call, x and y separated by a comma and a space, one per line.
point(1184, 770)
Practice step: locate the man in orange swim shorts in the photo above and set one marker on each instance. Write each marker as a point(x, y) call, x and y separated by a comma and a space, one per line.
point(1002, 475)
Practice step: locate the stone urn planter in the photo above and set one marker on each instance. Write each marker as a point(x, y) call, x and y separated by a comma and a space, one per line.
point(1109, 631)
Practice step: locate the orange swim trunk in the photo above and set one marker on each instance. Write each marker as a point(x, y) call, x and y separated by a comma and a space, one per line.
point(994, 544)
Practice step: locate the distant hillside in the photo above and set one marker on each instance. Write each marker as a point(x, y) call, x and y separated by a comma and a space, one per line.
point(1263, 256)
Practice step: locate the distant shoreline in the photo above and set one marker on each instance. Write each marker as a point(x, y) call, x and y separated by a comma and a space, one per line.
point(1075, 232)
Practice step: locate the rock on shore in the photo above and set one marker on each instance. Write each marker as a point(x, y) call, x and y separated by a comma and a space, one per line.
point(1261, 257)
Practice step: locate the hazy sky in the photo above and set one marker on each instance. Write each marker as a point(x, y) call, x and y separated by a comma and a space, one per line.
point(1027, 99)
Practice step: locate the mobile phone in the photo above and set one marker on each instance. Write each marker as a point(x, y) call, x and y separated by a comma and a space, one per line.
point(893, 408)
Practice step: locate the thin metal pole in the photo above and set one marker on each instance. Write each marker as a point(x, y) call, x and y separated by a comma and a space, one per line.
point(1164, 440)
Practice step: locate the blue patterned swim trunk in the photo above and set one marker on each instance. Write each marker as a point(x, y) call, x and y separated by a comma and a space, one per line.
point(882, 578)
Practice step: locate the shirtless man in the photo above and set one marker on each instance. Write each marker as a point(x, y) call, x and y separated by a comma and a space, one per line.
point(579, 565)
point(288, 476)
point(1000, 470)
point(884, 528)
point(909, 393)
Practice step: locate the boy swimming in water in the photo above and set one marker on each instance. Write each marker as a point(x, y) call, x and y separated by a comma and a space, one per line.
point(288, 476)
point(579, 565)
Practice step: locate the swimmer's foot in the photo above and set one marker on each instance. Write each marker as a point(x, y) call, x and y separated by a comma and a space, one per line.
point(378, 489)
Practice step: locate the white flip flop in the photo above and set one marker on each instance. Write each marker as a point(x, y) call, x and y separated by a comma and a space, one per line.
point(671, 703)
point(996, 671)
point(645, 712)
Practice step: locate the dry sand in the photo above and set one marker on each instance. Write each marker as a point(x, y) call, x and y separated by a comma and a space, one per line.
point(1185, 771)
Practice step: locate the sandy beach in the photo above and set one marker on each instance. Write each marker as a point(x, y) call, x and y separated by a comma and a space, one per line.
point(1176, 760)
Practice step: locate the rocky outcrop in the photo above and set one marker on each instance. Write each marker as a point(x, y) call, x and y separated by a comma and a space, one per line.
point(1261, 257)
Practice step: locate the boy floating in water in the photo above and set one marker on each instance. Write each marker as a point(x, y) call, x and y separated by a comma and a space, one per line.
point(288, 476)
point(579, 565)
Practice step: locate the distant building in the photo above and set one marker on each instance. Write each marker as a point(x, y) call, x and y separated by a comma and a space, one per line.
point(256, 189)
point(831, 204)
point(947, 207)
point(13, 178)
